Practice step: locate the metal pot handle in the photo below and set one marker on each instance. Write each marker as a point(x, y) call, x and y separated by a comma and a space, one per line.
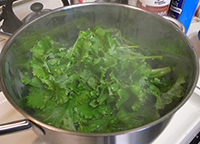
point(20, 125)
point(176, 23)
point(15, 126)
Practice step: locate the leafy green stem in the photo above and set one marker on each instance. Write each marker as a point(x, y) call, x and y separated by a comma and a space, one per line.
point(160, 72)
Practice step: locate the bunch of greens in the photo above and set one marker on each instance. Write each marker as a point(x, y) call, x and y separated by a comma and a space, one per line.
point(102, 84)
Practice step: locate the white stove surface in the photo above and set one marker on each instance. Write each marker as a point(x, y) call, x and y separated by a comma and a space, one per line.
point(183, 127)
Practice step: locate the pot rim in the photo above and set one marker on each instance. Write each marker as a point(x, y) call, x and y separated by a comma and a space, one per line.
point(134, 130)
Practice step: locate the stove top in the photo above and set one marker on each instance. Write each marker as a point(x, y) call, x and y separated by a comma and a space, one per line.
point(183, 127)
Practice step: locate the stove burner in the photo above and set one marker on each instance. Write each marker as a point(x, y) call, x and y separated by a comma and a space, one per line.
point(196, 140)
point(11, 22)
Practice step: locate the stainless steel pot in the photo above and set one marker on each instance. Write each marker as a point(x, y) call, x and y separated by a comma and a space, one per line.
point(64, 24)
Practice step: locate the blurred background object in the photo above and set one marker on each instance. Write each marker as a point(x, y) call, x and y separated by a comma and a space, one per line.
point(112, 1)
point(159, 7)
point(183, 10)
point(133, 2)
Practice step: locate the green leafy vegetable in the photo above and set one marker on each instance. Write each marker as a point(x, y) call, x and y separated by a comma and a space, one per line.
point(102, 84)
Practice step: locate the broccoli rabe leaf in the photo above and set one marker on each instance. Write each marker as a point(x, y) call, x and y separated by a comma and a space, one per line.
point(103, 83)
point(176, 91)
point(38, 97)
